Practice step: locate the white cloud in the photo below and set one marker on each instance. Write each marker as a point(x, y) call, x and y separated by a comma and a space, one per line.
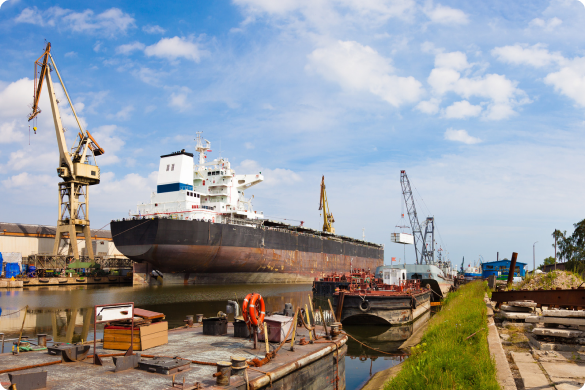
point(549, 25)
point(360, 68)
point(110, 22)
point(267, 106)
point(122, 194)
point(9, 133)
point(249, 145)
point(570, 80)
point(272, 177)
point(443, 14)
point(130, 48)
point(460, 136)
point(536, 55)
point(453, 60)
point(107, 138)
point(175, 48)
point(27, 158)
point(384, 9)
point(462, 110)
point(502, 94)
point(149, 29)
point(124, 113)
point(429, 106)
point(179, 100)
point(25, 180)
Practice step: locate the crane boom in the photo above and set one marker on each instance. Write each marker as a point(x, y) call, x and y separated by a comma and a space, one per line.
point(74, 167)
point(424, 254)
point(324, 205)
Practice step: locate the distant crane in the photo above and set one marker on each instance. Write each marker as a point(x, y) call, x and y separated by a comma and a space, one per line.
point(74, 167)
point(324, 205)
point(424, 244)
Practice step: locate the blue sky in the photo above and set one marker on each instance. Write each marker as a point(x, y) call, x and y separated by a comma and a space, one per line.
point(481, 103)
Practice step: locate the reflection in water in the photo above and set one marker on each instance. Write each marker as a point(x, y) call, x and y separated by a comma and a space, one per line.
point(65, 313)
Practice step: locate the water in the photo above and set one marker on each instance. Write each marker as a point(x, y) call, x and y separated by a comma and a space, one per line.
point(66, 315)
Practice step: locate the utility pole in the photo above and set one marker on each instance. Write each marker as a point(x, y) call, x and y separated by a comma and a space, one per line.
point(534, 258)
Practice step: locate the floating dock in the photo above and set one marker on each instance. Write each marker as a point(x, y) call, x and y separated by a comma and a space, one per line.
point(65, 281)
point(320, 365)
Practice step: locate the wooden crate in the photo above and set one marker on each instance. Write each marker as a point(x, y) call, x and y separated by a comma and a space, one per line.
point(145, 337)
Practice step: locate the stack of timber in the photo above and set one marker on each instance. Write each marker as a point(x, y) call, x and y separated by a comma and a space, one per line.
point(150, 330)
point(557, 329)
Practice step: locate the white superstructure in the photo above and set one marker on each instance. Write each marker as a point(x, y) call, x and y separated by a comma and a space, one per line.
point(206, 191)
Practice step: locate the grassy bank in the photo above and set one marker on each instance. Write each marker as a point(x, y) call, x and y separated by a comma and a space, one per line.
point(446, 358)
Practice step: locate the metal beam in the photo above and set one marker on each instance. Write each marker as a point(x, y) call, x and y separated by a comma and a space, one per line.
point(565, 298)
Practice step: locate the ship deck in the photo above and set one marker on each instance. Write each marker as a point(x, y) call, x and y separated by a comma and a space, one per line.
point(190, 343)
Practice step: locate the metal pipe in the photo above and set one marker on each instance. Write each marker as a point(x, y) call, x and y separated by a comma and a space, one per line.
point(512, 268)
point(42, 340)
point(32, 366)
point(2, 334)
point(280, 372)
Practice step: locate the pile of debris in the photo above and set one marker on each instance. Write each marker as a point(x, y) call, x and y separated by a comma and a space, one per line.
point(558, 330)
point(517, 311)
point(549, 281)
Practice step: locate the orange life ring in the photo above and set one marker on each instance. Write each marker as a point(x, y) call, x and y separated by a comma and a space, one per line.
point(257, 317)
point(245, 306)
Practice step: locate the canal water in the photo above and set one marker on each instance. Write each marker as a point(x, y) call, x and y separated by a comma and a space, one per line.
point(65, 314)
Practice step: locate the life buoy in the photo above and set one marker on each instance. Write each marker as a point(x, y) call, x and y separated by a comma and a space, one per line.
point(245, 306)
point(256, 317)
point(365, 306)
point(213, 219)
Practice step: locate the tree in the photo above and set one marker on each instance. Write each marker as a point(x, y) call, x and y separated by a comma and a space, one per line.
point(572, 248)
point(549, 260)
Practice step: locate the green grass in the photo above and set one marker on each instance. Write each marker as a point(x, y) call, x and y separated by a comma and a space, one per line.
point(445, 359)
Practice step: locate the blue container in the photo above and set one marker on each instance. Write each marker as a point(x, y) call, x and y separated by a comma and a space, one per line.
point(1, 269)
point(12, 269)
point(31, 270)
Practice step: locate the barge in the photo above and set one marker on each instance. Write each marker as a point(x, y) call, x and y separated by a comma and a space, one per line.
point(199, 228)
point(394, 301)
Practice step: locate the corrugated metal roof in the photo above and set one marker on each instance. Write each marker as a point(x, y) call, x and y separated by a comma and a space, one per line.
point(23, 228)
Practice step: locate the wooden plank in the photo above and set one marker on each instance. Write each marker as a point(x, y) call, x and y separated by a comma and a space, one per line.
point(147, 314)
point(154, 328)
point(121, 346)
point(121, 338)
point(155, 341)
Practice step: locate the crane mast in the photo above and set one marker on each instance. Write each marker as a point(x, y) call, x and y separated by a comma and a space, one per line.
point(324, 205)
point(74, 167)
point(424, 243)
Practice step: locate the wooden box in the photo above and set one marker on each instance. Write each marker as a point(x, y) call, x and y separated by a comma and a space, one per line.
point(145, 337)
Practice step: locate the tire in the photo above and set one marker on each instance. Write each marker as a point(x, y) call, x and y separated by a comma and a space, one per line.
point(365, 306)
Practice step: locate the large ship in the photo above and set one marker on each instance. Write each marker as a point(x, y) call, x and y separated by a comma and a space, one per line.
point(199, 228)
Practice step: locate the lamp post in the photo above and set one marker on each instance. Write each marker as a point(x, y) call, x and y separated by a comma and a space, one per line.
point(534, 258)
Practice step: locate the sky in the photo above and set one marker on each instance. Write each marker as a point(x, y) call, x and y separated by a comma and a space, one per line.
point(482, 103)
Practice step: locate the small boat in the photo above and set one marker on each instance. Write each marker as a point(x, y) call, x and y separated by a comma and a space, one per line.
point(391, 300)
point(41, 280)
point(80, 280)
point(113, 279)
point(97, 279)
point(62, 281)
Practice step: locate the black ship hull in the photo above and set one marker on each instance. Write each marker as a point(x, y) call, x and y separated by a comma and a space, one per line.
point(201, 252)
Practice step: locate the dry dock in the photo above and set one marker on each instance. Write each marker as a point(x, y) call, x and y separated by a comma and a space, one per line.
point(312, 366)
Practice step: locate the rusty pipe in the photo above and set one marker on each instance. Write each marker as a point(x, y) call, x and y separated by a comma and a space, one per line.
point(512, 268)
point(272, 376)
point(31, 366)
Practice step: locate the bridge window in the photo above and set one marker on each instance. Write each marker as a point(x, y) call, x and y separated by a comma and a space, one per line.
point(173, 167)
point(168, 166)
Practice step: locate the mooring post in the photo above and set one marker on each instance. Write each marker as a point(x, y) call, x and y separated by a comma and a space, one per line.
point(292, 342)
point(512, 268)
